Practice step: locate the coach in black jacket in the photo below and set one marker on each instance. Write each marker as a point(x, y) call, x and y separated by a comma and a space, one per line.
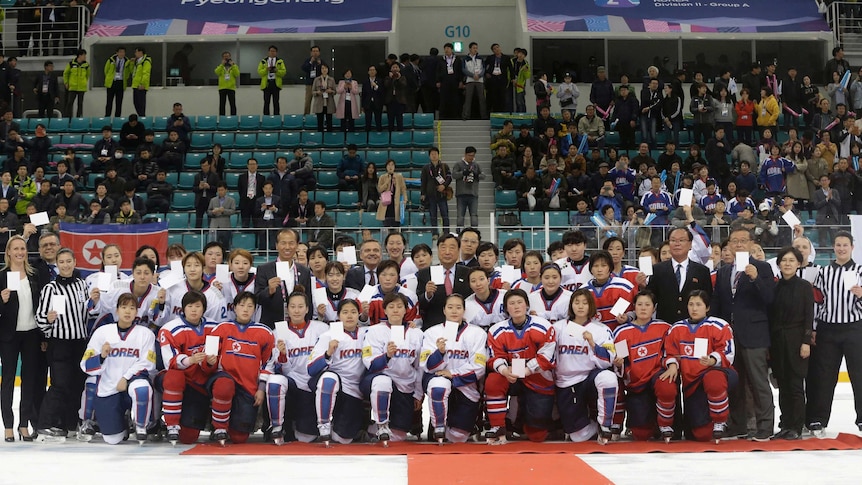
point(270, 290)
point(247, 204)
point(747, 310)
point(671, 300)
point(432, 298)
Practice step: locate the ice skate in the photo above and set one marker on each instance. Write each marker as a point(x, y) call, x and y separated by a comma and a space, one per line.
point(666, 433)
point(718, 430)
point(220, 435)
point(383, 434)
point(604, 436)
point(86, 431)
point(496, 435)
point(817, 430)
point(141, 436)
point(52, 435)
point(325, 431)
point(440, 434)
point(616, 432)
point(173, 435)
point(277, 435)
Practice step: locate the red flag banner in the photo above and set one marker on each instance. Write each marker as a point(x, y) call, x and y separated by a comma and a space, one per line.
point(87, 240)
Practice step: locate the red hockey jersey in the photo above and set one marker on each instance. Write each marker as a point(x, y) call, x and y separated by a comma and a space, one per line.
point(535, 342)
point(178, 340)
point(607, 295)
point(245, 352)
point(646, 351)
point(679, 348)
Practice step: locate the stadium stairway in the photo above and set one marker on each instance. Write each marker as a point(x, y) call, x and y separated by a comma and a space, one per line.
point(454, 137)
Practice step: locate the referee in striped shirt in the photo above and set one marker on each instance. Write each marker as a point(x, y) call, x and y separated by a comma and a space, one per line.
point(838, 334)
point(66, 336)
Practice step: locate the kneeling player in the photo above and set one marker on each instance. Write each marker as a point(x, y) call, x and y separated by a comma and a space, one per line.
point(644, 338)
point(122, 355)
point(706, 378)
point(527, 342)
point(392, 381)
point(453, 371)
point(336, 369)
point(185, 403)
point(237, 389)
point(583, 376)
point(290, 400)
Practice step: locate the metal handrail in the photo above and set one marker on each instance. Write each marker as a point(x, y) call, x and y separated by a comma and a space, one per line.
point(39, 32)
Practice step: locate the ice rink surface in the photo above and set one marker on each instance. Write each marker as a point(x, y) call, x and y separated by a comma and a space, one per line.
point(159, 463)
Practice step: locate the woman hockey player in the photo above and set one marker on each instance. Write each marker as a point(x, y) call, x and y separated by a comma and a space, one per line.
point(551, 301)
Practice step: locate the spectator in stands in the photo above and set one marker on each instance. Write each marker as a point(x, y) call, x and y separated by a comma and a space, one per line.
point(792, 98)
point(268, 214)
point(299, 210)
point(504, 137)
point(301, 168)
point(436, 191)
point(220, 209)
point(745, 117)
point(592, 127)
point(7, 124)
point(321, 227)
point(828, 150)
point(650, 112)
point(350, 168)
point(38, 147)
point(767, 111)
point(543, 91)
point(126, 214)
point(531, 196)
point(347, 109)
point(503, 169)
point(626, 116)
point(396, 97)
point(145, 169)
point(668, 157)
point(159, 193)
point(106, 201)
point(118, 73)
point(76, 77)
point(373, 98)
point(497, 79)
point(250, 186)
point(602, 93)
point(26, 188)
point(205, 184)
point(60, 216)
point(122, 164)
point(473, 72)
point(524, 140)
point(271, 70)
point(217, 160)
point(7, 191)
point(391, 183)
point(323, 100)
point(449, 79)
point(519, 75)
point(8, 221)
point(98, 214)
point(47, 90)
point(836, 64)
point(136, 200)
point(44, 199)
point(467, 175)
point(149, 143)
point(555, 187)
point(141, 71)
point(430, 98)
point(704, 114)
point(180, 123)
point(283, 183)
point(312, 67)
point(132, 134)
point(173, 152)
point(103, 150)
point(228, 77)
point(469, 251)
point(75, 204)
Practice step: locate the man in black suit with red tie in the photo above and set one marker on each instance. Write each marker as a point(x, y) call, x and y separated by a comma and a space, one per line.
point(432, 298)
point(250, 188)
point(271, 291)
point(671, 291)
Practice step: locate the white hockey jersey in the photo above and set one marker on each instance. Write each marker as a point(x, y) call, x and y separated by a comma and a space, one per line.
point(525, 285)
point(485, 313)
point(346, 361)
point(93, 279)
point(229, 292)
point(149, 313)
point(465, 358)
point(216, 307)
point(331, 313)
point(552, 310)
point(133, 353)
point(575, 358)
point(403, 367)
point(299, 344)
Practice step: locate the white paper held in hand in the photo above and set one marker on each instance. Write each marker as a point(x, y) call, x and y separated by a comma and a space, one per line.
point(222, 273)
point(575, 330)
point(700, 347)
point(172, 279)
point(281, 331)
point(622, 348)
point(349, 254)
point(177, 267)
point(40, 219)
point(645, 265)
point(337, 331)
point(509, 274)
point(318, 297)
point(438, 275)
point(13, 281)
point(104, 281)
point(791, 219)
point(741, 260)
point(396, 335)
point(112, 270)
point(620, 307)
point(850, 279)
point(450, 332)
point(685, 197)
point(519, 367)
point(282, 270)
point(58, 304)
point(211, 345)
point(367, 293)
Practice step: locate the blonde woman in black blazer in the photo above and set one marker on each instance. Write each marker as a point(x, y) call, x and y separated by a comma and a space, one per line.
point(19, 336)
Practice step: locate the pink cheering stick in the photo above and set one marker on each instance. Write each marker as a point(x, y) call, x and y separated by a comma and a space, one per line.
point(832, 125)
point(789, 110)
point(603, 112)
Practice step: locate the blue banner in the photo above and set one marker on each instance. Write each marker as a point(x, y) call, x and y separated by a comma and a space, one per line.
point(241, 17)
point(674, 16)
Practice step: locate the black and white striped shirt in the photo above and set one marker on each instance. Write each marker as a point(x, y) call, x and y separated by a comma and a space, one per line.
point(73, 323)
point(839, 304)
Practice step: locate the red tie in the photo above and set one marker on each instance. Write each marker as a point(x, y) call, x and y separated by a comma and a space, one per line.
point(448, 282)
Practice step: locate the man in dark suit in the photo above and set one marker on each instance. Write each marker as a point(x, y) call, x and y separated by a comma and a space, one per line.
point(321, 227)
point(250, 188)
point(469, 238)
point(370, 253)
point(743, 298)
point(271, 291)
point(432, 298)
point(671, 292)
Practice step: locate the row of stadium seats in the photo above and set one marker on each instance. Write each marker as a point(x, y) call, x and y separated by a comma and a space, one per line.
point(497, 119)
point(294, 122)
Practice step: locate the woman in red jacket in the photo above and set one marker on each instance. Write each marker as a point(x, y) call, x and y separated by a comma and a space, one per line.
point(744, 117)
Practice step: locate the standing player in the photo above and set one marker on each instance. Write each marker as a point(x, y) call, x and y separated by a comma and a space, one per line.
point(551, 301)
point(240, 279)
point(706, 379)
point(237, 388)
point(111, 256)
point(336, 369)
point(530, 341)
point(149, 297)
point(617, 249)
point(452, 373)
point(122, 355)
point(193, 267)
point(393, 382)
point(487, 256)
point(644, 337)
point(583, 376)
point(532, 280)
point(607, 288)
point(290, 400)
point(485, 306)
point(185, 403)
point(335, 292)
point(389, 282)
point(575, 268)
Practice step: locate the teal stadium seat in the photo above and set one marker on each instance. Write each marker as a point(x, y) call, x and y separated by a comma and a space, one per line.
point(186, 181)
point(117, 123)
point(270, 122)
point(91, 138)
point(183, 201)
point(267, 140)
point(249, 122)
point(504, 235)
point(378, 139)
point(232, 179)
point(174, 238)
point(228, 123)
point(401, 157)
point(424, 121)
point(420, 237)
point(224, 139)
point(557, 219)
point(401, 139)
point(265, 159)
point(347, 219)
point(238, 160)
point(79, 125)
point(333, 139)
point(289, 139)
point(358, 138)
point(533, 219)
point(330, 159)
point(420, 158)
point(407, 121)
point(423, 139)
point(292, 122)
point(309, 122)
point(329, 197)
point(505, 199)
point(369, 220)
point(206, 123)
point(178, 220)
point(245, 241)
point(378, 157)
point(327, 180)
point(71, 139)
point(193, 242)
point(193, 160)
point(201, 141)
point(348, 199)
point(58, 125)
point(310, 139)
point(244, 141)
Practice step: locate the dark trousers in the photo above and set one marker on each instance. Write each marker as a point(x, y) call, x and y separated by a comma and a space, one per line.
point(71, 96)
point(227, 96)
point(139, 98)
point(347, 124)
point(429, 96)
point(25, 345)
point(61, 403)
point(201, 209)
point(114, 93)
point(324, 121)
point(438, 205)
point(790, 370)
point(246, 212)
point(396, 116)
point(834, 341)
point(627, 136)
point(496, 96)
point(46, 105)
point(375, 113)
point(271, 92)
point(702, 132)
point(753, 370)
point(746, 134)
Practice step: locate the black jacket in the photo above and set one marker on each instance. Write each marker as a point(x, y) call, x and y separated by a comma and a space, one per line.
point(671, 304)
point(431, 310)
point(747, 310)
point(9, 310)
point(272, 306)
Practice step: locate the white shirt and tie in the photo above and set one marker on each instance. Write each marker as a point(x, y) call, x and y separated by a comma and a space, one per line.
point(680, 270)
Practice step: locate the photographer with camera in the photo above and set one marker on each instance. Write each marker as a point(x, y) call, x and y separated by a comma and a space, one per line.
point(271, 70)
point(228, 77)
point(467, 175)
